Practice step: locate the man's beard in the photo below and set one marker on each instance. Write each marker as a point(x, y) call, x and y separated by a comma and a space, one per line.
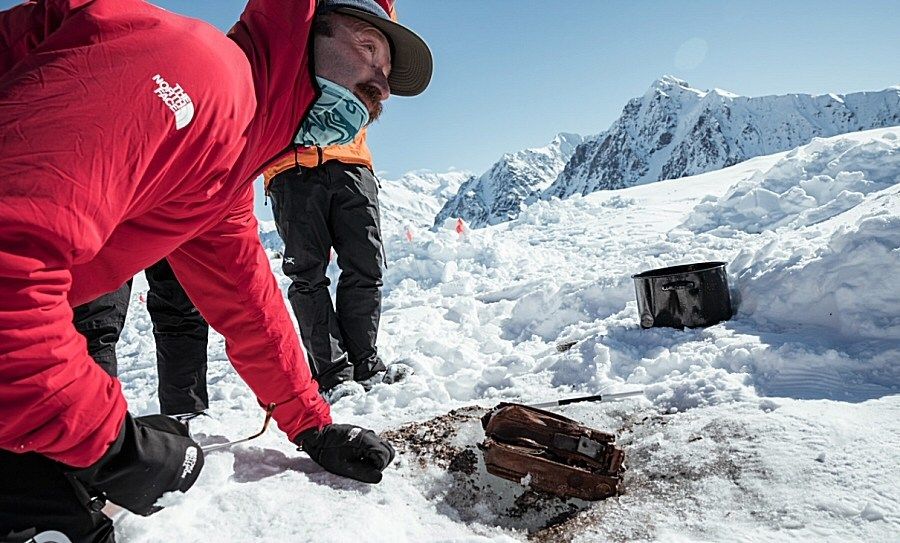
point(370, 95)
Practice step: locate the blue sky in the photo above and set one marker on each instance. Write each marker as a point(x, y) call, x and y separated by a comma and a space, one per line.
point(510, 74)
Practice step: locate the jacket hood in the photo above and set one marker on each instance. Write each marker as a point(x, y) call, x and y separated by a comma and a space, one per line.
point(275, 37)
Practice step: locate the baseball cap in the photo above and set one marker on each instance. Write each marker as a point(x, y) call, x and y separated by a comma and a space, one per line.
point(411, 62)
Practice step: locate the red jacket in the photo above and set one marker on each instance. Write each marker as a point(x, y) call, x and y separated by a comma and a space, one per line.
point(128, 134)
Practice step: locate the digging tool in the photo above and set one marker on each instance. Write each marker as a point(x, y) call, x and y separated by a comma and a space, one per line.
point(595, 398)
point(218, 446)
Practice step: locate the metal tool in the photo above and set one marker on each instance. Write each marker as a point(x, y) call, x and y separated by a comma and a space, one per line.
point(219, 446)
point(594, 398)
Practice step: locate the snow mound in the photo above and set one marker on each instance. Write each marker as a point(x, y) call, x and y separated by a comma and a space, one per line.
point(845, 282)
point(811, 184)
point(827, 236)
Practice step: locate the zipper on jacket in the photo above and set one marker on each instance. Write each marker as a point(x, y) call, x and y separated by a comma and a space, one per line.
point(321, 155)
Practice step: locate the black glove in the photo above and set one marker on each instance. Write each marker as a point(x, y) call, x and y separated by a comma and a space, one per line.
point(347, 450)
point(152, 455)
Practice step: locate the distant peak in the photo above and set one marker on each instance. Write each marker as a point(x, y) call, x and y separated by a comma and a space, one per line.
point(566, 142)
point(568, 137)
point(725, 93)
point(668, 81)
point(672, 86)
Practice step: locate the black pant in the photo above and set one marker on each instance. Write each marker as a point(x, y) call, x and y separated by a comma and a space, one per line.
point(36, 495)
point(333, 205)
point(180, 332)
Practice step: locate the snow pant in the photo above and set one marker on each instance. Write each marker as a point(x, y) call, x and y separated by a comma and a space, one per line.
point(36, 496)
point(180, 332)
point(333, 205)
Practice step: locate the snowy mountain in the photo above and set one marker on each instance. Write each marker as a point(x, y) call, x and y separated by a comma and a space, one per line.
point(675, 130)
point(509, 185)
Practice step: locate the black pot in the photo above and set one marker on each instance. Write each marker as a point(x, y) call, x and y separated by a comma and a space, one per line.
point(689, 295)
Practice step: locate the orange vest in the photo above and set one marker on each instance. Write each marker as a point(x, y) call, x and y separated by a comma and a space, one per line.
point(355, 152)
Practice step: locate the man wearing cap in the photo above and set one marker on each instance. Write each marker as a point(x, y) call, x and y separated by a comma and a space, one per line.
point(324, 197)
point(129, 134)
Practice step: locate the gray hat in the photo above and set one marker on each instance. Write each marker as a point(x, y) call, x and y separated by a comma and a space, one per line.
point(411, 62)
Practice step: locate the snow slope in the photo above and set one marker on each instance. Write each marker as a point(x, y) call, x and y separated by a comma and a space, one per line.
point(779, 425)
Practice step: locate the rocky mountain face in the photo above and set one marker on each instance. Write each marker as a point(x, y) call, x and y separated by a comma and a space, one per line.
point(675, 130)
point(515, 181)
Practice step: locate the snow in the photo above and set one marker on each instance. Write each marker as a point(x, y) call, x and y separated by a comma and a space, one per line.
point(834, 176)
point(781, 424)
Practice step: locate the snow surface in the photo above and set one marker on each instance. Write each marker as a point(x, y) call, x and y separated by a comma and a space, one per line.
point(780, 425)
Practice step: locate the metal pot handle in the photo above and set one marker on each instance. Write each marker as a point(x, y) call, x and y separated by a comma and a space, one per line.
point(678, 285)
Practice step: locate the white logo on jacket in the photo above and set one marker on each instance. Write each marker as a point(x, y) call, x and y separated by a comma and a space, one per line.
point(190, 460)
point(176, 99)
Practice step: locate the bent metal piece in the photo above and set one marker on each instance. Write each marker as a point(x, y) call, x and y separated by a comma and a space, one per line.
point(552, 453)
point(219, 446)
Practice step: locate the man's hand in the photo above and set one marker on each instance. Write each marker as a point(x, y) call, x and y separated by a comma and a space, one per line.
point(347, 450)
point(152, 455)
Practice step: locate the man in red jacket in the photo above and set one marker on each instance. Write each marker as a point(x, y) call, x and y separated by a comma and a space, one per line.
point(129, 134)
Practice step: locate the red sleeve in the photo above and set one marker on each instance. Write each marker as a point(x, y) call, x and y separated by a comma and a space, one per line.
point(54, 399)
point(227, 275)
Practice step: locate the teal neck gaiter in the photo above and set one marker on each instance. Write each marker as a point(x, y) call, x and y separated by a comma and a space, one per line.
point(335, 119)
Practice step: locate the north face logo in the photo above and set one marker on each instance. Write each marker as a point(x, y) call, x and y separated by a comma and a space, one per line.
point(190, 460)
point(176, 99)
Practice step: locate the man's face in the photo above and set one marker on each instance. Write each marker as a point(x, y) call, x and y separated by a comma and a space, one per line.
point(358, 57)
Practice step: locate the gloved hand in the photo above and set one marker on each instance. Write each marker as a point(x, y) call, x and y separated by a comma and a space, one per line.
point(347, 450)
point(152, 455)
